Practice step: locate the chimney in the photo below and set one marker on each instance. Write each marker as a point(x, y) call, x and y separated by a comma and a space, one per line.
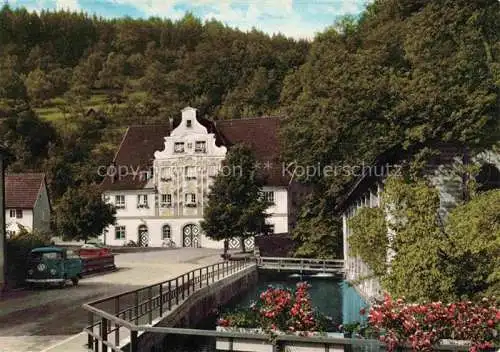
point(171, 122)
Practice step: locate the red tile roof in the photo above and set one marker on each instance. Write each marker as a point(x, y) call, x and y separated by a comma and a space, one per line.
point(22, 190)
point(261, 134)
point(136, 153)
point(140, 142)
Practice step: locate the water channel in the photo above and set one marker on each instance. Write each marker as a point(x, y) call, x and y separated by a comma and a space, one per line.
point(331, 296)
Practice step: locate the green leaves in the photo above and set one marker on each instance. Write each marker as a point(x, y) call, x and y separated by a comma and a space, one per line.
point(369, 238)
point(81, 214)
point(235, 207)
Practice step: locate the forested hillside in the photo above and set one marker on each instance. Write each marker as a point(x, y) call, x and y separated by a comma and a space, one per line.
point(405, 72)
point(70, 83)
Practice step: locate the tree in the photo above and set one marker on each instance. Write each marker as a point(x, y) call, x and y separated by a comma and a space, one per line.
point(81, 214)
point(325, 240)
point(407, 73)
point(235, 207)
point(28, 137)
point(473, 253)
point(39, 87)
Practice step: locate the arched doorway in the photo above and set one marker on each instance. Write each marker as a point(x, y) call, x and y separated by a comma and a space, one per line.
point(143, 236)
point(191, 236)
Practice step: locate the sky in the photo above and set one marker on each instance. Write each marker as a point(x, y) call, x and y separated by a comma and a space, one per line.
point(294, 18)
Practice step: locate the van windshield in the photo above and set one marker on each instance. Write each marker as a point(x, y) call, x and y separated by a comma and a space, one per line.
point(37, 256)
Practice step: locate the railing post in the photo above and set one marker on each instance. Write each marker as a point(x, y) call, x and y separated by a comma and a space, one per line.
point(150, 305)
point(133, 341)
point(189, 283)
point(136, 307)
point(201, 280)
point(104, 334)
point(90, 338)
point(169, 304)
point(161, 299)
point(183, 288)
point(207, 276)
point(194, 281)
point(177, 290)
point(213, 273)
point(117, 306)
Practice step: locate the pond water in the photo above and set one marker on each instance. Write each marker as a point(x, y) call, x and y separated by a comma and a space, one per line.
point(330, 296)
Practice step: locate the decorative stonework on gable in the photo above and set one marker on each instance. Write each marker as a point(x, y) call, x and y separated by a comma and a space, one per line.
point(189, 132)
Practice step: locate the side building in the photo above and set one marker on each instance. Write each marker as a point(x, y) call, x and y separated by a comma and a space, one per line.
point(27, 203)
point(161, 176)
point(444, 171)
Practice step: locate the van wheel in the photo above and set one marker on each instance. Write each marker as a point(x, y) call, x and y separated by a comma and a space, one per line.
point(75, 281)
point(63, 283)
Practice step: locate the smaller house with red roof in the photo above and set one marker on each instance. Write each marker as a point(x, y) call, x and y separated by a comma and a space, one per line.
point(27, 203)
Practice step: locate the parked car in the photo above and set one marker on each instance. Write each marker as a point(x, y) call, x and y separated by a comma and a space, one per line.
point(53, 265)
point(94, 249)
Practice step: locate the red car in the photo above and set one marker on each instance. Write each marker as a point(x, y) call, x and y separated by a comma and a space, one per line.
point(93, 250)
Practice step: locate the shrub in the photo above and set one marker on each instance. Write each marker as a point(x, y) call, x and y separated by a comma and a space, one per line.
point(369, 239)
point(423, 325)
point(18, 247)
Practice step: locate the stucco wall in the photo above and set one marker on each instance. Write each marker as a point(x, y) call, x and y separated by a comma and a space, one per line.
point(42, 212)
point(12, 223)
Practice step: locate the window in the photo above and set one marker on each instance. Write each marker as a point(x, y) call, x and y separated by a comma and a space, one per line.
point(165, 232)
point(179, 147)
point(268, 196)
point(213, 170)
point(190, 172)
point(142, 201)
point(200, 147)
point(16, 213)
point(190, 199)
point(166, 174)
point(119, 232)
point(189, 123)
point(166, 200)
point(120, 201)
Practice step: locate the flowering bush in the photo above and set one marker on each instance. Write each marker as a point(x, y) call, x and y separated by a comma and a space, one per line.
point(424, 325)
point(279, 310)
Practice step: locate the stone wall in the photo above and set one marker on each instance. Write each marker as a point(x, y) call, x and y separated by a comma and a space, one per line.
point(200, 304)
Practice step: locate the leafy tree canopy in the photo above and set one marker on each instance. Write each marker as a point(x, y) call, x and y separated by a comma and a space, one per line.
point(236, 208)
point(81, 214)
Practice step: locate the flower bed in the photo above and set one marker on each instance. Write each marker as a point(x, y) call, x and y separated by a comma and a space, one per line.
point(280, 310)
point(424, 325)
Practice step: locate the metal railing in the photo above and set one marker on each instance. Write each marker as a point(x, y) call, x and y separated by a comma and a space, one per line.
point(117, 321)
point(119, 318)
point(302, 264)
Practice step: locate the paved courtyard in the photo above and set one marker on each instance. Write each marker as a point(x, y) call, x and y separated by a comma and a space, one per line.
point(35, 320)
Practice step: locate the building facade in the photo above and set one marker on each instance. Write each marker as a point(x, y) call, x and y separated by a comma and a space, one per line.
point(27, 203)
point(161, 177)
point(443, 171)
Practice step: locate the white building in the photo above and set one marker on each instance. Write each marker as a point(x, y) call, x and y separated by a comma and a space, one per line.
point(444, 172)
point(160, 178)
point(26, 203)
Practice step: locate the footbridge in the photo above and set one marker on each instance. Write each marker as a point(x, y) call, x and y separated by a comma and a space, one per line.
point(302, 265)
